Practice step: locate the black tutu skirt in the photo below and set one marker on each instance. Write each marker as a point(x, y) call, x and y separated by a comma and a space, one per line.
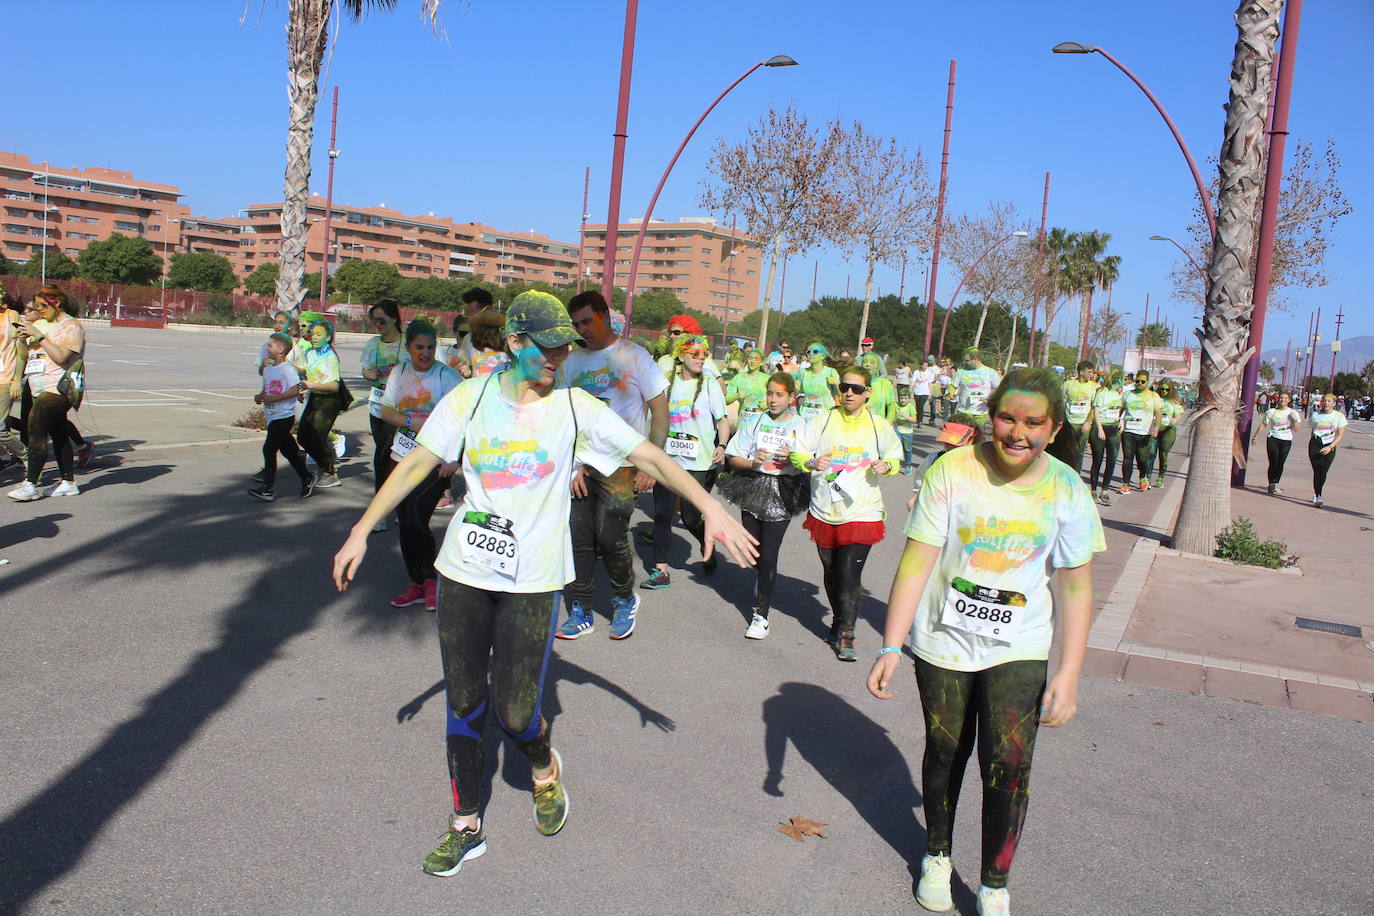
point(770, 497)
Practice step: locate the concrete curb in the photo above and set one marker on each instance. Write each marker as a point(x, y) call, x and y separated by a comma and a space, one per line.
point(1111, 656)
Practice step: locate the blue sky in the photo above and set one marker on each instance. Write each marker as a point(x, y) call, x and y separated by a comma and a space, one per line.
point(497, 122)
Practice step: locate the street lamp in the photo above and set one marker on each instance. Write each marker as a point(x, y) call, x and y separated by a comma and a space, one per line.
point(43, 266)
point(1191, 259)
point(1073, 47)
point(954, 299)
point(779, 60)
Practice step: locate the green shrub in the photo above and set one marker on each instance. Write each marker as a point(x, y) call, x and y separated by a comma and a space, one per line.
point(1239, 544)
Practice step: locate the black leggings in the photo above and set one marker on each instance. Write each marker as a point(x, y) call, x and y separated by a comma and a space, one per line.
point(21, 423)
point(495, 648)
point(843, 570)
point(279, 439)
point(1163, 445)
point(418, 548)
point(1320, 464)
point(600, 524)
point(48, 419)
point(1104, 456)
point(1135, 449)
point(1277, 450)
point(316, 422)
point(999, 707)
point(383, 435)
point(769, 536)
point(665, 500)
point(921, 400)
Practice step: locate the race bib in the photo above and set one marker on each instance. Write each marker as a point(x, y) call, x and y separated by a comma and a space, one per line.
point(403, 444)
point(1078, 410)
point(375, 398)
point(841, 487)
point(488, 541)
point(34, 366)
point(810, 413)
point(1325, 434)
point(1137, 425)
point(989, 612)
point(683, 446)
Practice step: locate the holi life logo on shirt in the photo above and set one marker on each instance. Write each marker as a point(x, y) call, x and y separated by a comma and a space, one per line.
point(849, 458)
point(680, 412)
point(505, 465)
point(998, 545)
point(598, 381)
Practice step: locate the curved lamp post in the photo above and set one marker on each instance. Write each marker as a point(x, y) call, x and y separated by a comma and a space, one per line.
point(780, 60)
point(954, 299)
point(1073, 47)
point(1191, 259)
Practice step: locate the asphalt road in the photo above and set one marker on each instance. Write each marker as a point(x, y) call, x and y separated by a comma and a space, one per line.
point(191, 720)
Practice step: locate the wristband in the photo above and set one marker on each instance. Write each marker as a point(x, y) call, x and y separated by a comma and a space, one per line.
point(886, 649)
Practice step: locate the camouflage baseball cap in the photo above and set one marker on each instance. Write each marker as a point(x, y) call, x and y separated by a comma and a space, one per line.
point(543, 317)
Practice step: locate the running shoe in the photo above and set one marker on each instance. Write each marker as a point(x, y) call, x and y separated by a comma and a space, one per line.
point(623, 614)
point(263, 493)
point(26, 493)
point(65, 488)
point(580, 622)
point(551, 799)
point(1125, 489)
point(325, 481)
point(1271, 489)
point(260, 476)
point(83, 454)
point(708, 567)
point(412, 594)
point(993, 901)
point(445, 502)
point(431, 594)
point(1317, 501)
point(932, 892)
point(1104, 497)
point(454, 849)
point(1276, 490)
point(379, 527)
point(657, 579)
point(844, 649)
point(1159, 481)
point(1144, 485)
point(308, 487)
point(340, 444)
point(758, 627)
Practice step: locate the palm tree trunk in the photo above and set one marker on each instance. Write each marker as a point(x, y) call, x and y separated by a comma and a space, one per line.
point(1206, 507)
point(307, 33)
point(868, 299)
point(767, 295)
point(1085, 314)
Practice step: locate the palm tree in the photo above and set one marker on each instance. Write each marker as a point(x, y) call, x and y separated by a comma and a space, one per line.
point(1152, 335)
point(307, 38)
point(1090, 268)
point(1206, 507)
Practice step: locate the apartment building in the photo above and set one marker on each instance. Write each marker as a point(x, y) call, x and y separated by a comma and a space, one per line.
point(698, 259)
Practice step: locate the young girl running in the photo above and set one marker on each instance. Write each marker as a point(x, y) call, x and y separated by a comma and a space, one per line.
point(749, 388)
point(993, 524)
point(1328, 429)
point(323, 403)
point(509, 551)
point(766, 487)
point(414, 389)
point(281, 390)
point(697, 431)
point(847, 449)
point(818, 384)
point(381, 353)
point(1281, 421)
point(1105, 422)
point(1170, 411)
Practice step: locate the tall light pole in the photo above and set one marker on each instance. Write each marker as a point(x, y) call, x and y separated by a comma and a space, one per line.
point(1191, 259)
point(1019, 233)
point(779, 60)
point(1040, 277)
point(939, 208)
point(43, 265)
point(621, 133)
point(729, 286)
point(329, 201)
point(582, 236)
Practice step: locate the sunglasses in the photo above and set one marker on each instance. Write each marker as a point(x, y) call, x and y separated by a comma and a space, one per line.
point(676, 332)
point(815, 352)
point(695, 354)
point(851, 388)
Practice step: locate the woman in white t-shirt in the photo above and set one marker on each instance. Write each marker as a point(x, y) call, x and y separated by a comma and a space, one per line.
point(508, 551)
point(1281, 422)
point(993, 524)
point(698, 428)
point(55, 374)
point(1328, 429)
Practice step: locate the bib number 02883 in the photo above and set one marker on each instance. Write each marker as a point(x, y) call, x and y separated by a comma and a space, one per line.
point(989, 612)
point(488, 541)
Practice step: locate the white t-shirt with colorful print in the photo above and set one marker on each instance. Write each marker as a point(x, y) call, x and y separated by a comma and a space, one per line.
point(1280, 421)
point(622, 375)
point(410, 391)
point(517, 463)
point(694, 406)
point(1000, 543)
point(1325, 425)
point(277, 379)
point(975, 386)
point(773, 439)
point(848, 490)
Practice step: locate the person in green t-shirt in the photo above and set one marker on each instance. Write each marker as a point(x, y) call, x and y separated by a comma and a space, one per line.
point(1078, 399)
point(882, 398)
point(1140, 419)
point(818, 385)
point(1170, 412)
point(749, 388)
point(1105, 422)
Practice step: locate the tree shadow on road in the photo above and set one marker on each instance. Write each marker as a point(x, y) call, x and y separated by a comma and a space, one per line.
point(43, 526)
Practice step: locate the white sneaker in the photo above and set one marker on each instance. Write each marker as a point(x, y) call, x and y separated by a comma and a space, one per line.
point(340, 444)
point(932, 892)
point(993, 901)
point(1277, 490)
point(65, 488)
point(758, 628)
point(26, 493)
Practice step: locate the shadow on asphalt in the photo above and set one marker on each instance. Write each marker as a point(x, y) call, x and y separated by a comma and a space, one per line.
point(124, 476)
point(44, 526)
point(1137, 530)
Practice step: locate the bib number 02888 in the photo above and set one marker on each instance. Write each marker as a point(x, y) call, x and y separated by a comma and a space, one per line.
point(990, 612)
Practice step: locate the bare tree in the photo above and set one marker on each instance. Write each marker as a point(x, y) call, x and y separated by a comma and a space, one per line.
point(888, 202)
point(1206, 507)
point(1001, 274)
point(779, 178)
point(1108, 328)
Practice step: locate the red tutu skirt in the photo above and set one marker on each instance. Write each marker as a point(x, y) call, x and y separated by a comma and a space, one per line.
point(831, 536)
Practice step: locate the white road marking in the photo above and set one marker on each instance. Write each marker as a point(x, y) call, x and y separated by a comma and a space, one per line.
point(165, 394)
point(130, 362)
point(234, 397)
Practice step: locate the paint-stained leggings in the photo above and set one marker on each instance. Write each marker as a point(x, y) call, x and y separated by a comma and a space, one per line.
point(600, 523)
point(279, 440)
point(664, 502)
point(383, 437)
point(842, 571)
point(1135, 450)
point(999, 708)
point(1104, 457)
point(1277, 449)
point(495, 648)
point(48, 420)
point(1163, 445)
point(769, 535)
point(316, 421)
point(1320, 464)
point(418, 548)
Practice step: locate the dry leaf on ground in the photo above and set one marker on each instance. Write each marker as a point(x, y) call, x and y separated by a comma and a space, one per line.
point(798, 828)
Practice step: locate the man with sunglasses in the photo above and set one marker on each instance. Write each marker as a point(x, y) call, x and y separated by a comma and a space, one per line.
point(789, 362)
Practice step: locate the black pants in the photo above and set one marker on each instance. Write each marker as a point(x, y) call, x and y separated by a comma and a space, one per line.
point(665, 500)
point(279, 439)
point(21, 423)
point(1104, 456)
point(383, 436)
point(843, 570)
point(1320, 464)
point(769, 535)
point(495, 648)
point(1277, 449)
point(600, 524)
point(1163, 446)
point(316, 421)
point(1135, 449)
point(1084, 433)
point(921, 400)
point(418, 547)
point(48, 420)
point(999, 708)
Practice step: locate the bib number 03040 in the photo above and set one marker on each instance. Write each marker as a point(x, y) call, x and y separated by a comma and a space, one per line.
point(990, 612)
point(488, 541)
point(682, 445)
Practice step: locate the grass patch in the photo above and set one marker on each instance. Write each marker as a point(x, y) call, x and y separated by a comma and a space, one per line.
point(254, 419)
point(1239, 543)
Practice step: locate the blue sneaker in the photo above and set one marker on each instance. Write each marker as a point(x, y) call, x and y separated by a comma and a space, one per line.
point(579, 623)
point(623, 621)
